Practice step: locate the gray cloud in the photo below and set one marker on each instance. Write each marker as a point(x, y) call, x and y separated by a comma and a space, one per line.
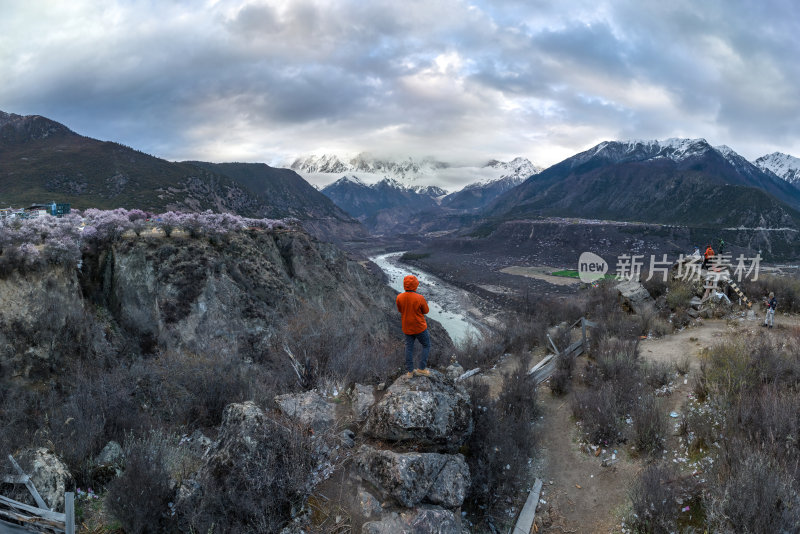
point(265, 80)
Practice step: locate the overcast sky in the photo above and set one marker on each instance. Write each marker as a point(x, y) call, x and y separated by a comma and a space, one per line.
point(459, 81)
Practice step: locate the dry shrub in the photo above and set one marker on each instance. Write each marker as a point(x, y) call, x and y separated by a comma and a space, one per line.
point(329, 352)
point(140, 497)
point(560, 382)
point(649, 425)
point(679, 294)
point(500, 444)
point(253, 489)
point(189, 389)
point(599, 411)
point(752, 406)
point(755, 495)
point(786, 289)
point(683, 364)
point(658, 374)
point(615, 383)
point(654, 499)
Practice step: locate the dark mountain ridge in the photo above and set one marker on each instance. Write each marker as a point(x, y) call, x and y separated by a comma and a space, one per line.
point(42, 160)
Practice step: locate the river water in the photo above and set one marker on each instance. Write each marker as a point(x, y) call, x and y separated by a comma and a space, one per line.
point(447, 303)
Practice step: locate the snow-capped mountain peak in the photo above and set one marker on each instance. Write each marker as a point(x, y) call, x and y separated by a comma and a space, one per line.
point(675, 149)
point(425, 176)
point(350, 180)
point(783, 165)
point(518, 168)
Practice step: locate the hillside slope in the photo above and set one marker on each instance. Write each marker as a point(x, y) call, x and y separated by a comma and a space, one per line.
point(284, 193)
point(678, 181)
point(42, 160)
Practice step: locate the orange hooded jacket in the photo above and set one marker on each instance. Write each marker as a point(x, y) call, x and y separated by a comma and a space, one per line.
point(412, 307)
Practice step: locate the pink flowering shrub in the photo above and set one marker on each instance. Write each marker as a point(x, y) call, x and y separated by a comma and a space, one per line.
point(30, 243)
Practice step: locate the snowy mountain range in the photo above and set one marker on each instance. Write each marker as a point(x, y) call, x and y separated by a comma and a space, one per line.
point(410, 173)
point(684, 181)
point(783, 165)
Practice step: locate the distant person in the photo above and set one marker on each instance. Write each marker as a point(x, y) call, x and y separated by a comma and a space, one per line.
point(413, 307)
point(707, 257)
point(721, 246)
point(772, 303)
point(696, 252)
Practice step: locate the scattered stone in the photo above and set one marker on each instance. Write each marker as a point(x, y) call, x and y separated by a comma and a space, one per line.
point(413, 477)
point(421, 520)
point(363, 399)
point(454, 370)
point(432, 411)
point(348, 438)
point(368, 504)
point(308, 408)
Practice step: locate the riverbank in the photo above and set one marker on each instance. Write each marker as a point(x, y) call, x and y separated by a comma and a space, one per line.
point(458, 310)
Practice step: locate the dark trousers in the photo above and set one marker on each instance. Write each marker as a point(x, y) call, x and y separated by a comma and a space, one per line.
point(425, 339)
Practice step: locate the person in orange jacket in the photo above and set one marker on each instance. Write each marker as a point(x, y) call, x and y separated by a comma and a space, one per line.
point(709, 254)
point(413, 307)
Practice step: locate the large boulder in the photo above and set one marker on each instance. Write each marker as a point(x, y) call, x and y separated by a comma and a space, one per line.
point(431, 411)
point(309, 408)
point(414, 477)
point(422, 520)
point(50, 476)
point(634, 297)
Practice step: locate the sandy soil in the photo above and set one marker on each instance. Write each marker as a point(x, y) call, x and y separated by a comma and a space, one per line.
point(540, 273)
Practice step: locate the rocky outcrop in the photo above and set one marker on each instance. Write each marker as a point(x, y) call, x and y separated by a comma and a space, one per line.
point(430, 411)
point(308, 408)
point(257, 469)
point(49, 475)
point(413, 477)
point(421, 520)
point(109, 463)
point(43, 320)
point(149, 294)
point(363, 398)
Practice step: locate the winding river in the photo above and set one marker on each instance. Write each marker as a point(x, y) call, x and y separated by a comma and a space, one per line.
point(447, 303)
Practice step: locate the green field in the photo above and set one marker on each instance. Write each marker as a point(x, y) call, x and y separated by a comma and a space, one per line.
point(572, 273)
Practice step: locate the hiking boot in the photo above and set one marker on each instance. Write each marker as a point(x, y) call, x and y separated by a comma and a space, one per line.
point(770, 326)
point(765, 324)
point(410, 374)
point(422, 372)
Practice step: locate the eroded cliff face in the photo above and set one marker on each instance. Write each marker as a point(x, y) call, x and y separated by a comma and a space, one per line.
point(236, 293)
point(243, 294)
point(42, 321)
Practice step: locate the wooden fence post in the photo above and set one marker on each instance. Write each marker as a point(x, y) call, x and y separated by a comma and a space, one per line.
point(69, 512)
